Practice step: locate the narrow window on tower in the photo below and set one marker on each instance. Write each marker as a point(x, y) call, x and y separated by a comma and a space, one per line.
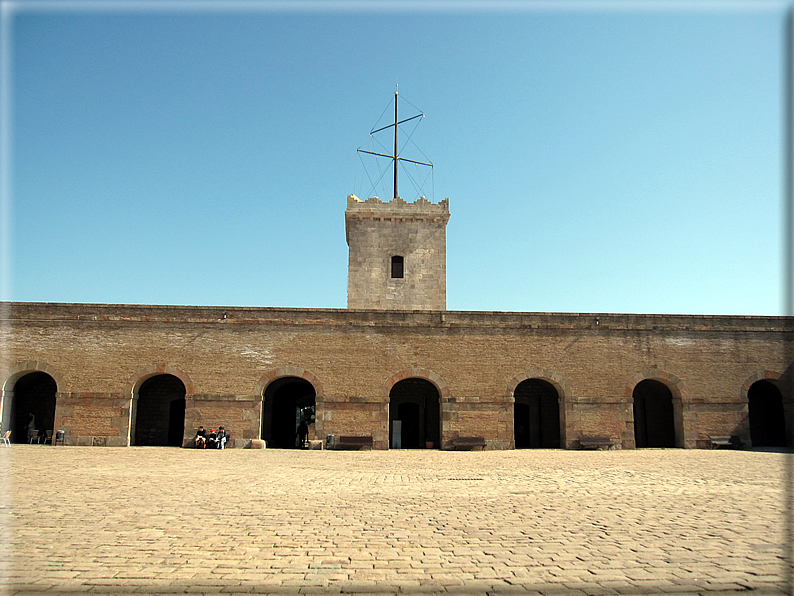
point(396, 267)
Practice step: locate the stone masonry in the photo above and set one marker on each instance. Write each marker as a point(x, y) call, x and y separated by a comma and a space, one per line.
point(378, 231)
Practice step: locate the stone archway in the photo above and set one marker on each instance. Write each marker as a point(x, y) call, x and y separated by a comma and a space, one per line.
point(414, 414)
point(270, 385)
point(159, 412)
point(12, 376)
point(654, 415)
point(549, 384)
point(536, 415)
point(439, 394)
point(286, 402)
point(137, 381)
point(30, 392)
point(677, 395)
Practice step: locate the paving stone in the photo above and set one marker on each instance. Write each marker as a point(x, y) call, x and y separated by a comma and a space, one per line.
point(125, 520)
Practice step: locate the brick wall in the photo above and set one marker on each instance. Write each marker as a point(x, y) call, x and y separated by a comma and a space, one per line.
point(101, 354)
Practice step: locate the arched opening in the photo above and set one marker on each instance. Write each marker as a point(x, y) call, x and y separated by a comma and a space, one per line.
point(654, 419)
point(160, 412)
point(536, 416)
point(33, 393)
point(414, 415)
point(286, 401)
point(767, 420)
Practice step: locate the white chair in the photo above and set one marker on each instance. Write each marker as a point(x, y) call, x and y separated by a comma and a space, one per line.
point(4, 438)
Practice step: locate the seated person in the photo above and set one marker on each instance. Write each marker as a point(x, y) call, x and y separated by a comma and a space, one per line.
point(201, 438)
point(220, 438)
point(211, 439)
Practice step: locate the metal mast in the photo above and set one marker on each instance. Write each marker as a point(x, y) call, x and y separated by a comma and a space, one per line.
point(395, 144)
point(395, 156)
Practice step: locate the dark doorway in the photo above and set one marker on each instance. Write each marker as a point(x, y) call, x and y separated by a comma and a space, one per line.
point(767, 419)
point(410, 416)
point(654, 420)
point(414, 405)
point(286, 400)
point(536, 417)
point(160, 412)
point(34, 394)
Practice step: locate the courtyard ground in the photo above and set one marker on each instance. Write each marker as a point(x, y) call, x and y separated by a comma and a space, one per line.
point(167, 520)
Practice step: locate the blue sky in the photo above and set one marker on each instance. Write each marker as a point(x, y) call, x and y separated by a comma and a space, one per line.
point(598, 157)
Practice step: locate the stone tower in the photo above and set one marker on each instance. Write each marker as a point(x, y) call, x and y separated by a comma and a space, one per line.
point(398, 254)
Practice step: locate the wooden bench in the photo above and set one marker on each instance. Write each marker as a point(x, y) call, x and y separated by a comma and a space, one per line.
point(596, 442)
point(728, 442)
point(354, 443)
point(468, 443)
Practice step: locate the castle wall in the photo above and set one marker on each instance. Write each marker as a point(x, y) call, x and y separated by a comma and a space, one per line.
point(99, 356)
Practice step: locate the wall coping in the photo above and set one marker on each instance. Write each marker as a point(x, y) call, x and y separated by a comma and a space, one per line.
point(120, 314)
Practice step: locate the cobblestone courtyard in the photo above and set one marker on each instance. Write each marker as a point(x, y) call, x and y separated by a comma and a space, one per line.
point(166, 520)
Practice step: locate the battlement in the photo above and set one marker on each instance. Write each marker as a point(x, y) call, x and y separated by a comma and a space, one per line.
point(375, 206)
point(373, 209)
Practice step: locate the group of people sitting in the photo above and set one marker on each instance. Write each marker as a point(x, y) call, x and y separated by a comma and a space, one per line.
point(214, 439)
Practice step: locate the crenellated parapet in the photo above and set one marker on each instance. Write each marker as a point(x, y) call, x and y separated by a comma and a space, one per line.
point(395, 210)
point(421, 205)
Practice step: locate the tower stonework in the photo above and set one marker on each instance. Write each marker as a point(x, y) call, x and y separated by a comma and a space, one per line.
point(398, 254)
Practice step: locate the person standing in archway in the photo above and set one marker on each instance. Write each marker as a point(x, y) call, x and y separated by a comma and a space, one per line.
point(31, 428)
point(303, 434)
